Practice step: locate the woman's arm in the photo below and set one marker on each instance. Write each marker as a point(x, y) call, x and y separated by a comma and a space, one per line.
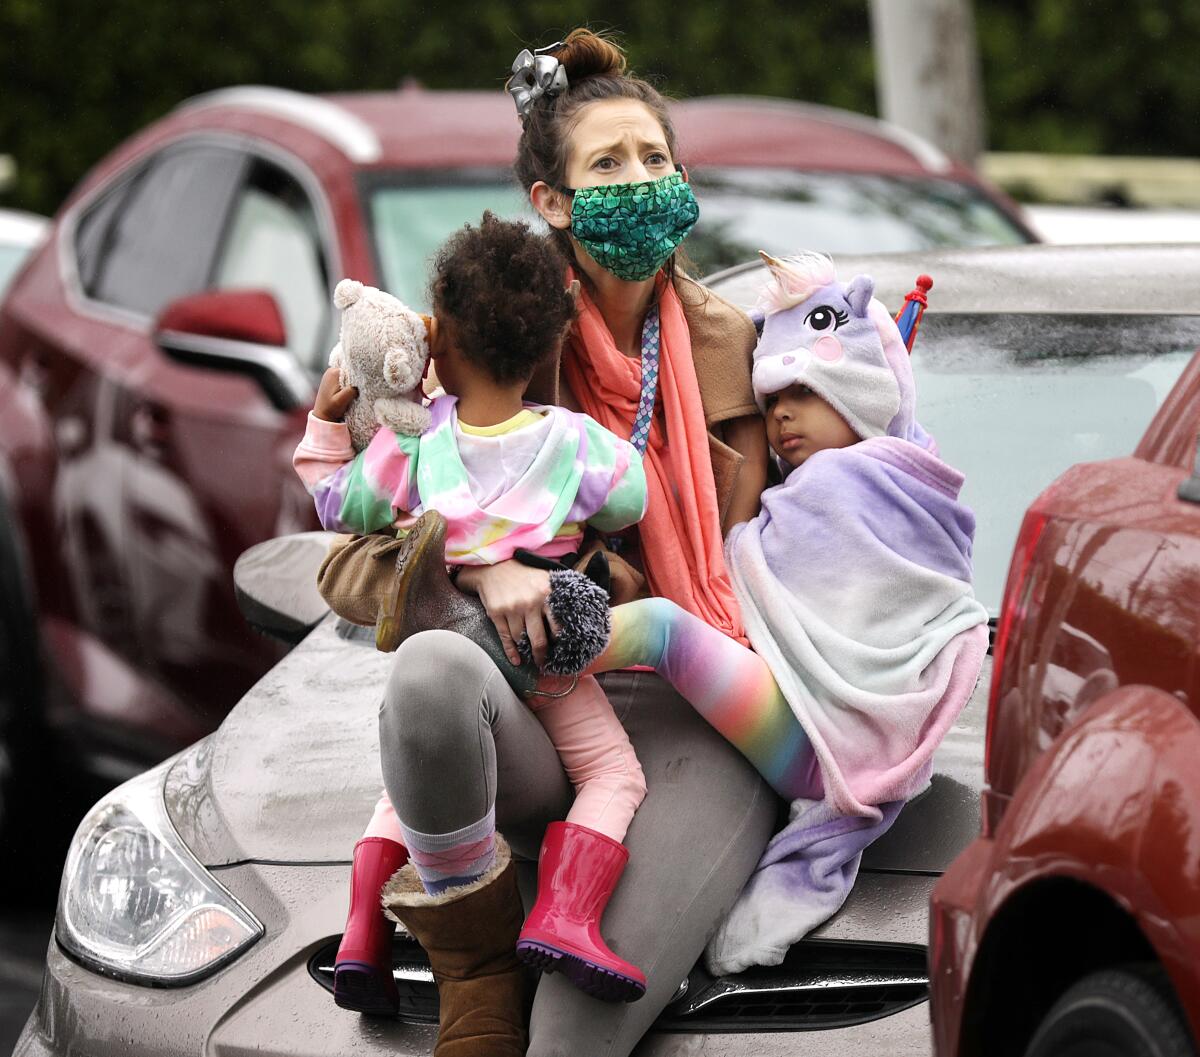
point(748, 437)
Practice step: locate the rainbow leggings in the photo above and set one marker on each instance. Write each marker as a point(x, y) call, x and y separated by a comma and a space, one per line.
point(728, 684)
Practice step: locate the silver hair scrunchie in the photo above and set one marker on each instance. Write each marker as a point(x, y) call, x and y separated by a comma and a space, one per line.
point(536, 73)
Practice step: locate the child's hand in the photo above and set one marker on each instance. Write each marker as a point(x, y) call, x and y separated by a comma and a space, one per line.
point(333, 399)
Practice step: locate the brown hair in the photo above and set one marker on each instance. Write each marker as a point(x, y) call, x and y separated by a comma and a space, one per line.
point(596, 70)
point(500, 285)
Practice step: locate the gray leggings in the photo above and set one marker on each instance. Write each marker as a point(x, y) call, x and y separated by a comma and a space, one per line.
point(455, 740)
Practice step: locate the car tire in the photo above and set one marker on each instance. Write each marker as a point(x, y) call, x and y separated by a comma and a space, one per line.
point(1122, 1012)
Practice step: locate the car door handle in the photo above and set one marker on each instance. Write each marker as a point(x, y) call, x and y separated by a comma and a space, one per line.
point(149, 429)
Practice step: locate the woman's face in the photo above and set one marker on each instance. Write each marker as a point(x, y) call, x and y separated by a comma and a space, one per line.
point(617, 141)
point(614, 141)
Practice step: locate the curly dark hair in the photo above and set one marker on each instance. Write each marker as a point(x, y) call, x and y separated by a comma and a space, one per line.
point(501, 286)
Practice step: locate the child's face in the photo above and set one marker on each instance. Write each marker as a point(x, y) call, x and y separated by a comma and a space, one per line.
point(800, 423)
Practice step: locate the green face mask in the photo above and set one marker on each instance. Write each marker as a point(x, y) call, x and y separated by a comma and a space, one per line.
point(631, 229)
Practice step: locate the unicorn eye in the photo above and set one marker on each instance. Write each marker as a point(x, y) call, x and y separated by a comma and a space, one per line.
point(823, 317)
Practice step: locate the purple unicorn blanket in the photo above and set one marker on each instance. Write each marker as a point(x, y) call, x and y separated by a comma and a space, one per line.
point(854, 584)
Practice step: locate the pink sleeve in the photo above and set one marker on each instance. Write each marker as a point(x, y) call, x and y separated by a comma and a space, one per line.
point(324, 450)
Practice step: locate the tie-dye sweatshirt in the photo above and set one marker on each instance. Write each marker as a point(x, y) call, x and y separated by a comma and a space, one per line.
point(580, 474)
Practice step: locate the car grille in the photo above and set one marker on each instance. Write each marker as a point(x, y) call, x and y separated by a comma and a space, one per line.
point(821, 984)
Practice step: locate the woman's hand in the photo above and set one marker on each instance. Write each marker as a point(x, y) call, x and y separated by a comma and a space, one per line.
point(333, 399)
point(514, 596)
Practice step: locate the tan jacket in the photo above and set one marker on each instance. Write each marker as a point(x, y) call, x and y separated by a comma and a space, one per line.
point(357, 575)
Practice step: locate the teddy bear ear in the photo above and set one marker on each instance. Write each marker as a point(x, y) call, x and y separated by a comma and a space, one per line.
point(347, 292)
point(402, 367)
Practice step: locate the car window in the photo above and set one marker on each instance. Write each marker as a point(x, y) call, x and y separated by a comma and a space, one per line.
point(1013, 401)
point(274, 244)
point(409, 223)
point(781, 211)
point(91, 235)
point(10, 260)
point(160, 242)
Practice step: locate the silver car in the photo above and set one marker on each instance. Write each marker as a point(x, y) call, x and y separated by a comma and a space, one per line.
point(20, 234)
point(202, 902)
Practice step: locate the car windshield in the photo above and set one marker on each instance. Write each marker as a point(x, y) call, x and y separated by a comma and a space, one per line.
point(741, 212)
point(409, 223)
point(1013, 401)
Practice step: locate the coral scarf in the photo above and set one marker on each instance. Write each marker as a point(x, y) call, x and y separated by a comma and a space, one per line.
point(682, 519)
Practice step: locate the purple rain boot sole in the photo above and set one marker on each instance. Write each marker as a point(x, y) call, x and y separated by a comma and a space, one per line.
point(595, 980)
point(364, 988)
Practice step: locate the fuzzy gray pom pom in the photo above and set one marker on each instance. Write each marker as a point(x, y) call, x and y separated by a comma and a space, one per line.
point(580, 608)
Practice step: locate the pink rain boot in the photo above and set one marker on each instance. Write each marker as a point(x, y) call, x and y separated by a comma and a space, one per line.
point(577, 873)
point(362, 972)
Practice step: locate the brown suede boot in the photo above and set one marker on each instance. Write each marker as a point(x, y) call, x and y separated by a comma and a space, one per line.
point(470, 934)
point(422, 597)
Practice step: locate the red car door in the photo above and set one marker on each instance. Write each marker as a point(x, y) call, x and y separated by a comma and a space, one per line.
point(210, 470)
point(83, 325)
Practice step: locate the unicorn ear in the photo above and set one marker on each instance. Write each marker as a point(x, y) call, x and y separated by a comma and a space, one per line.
point(859, 292)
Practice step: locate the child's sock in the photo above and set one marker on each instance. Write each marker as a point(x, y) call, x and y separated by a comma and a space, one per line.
point(447, 860)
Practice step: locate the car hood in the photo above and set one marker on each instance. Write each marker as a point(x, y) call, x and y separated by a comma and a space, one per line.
point(292, 774)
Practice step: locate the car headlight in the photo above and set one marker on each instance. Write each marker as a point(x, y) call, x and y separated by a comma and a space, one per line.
point(136, 904)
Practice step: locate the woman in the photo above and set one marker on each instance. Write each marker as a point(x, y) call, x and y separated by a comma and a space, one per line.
point(486, 761)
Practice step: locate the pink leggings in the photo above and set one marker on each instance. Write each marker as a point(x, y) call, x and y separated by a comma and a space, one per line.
point(595, 752)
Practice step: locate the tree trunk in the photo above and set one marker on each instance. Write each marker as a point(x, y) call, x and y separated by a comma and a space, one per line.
point(927, 72)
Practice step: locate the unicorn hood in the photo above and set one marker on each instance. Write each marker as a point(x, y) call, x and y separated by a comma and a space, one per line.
point(840, 342)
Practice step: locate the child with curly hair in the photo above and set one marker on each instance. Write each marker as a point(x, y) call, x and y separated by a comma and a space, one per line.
point(503, 475)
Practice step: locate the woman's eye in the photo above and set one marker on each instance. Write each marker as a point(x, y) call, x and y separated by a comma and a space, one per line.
point(606, 163)
point(657, 159)
point(823, 317)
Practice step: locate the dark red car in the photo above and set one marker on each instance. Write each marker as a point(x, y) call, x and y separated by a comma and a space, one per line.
point(158, 356)
point(1071, 925)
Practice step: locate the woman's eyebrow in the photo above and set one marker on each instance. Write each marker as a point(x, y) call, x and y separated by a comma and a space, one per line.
point(597, 153)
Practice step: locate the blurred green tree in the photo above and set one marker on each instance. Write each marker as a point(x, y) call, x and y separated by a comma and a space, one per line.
point(1091, 76)
point(77, 78)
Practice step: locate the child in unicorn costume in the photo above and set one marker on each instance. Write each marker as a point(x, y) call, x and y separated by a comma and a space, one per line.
point(855, 587)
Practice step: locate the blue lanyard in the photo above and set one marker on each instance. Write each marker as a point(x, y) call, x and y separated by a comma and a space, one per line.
point(645, 411)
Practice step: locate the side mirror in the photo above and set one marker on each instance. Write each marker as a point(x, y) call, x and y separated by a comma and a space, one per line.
point(276, 584)
point(236, 330)
point(1190, 489)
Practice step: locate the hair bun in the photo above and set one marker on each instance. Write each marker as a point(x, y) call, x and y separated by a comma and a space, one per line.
point(587, 54)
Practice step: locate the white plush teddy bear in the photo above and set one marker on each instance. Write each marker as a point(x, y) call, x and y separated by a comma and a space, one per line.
point(382, 353)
